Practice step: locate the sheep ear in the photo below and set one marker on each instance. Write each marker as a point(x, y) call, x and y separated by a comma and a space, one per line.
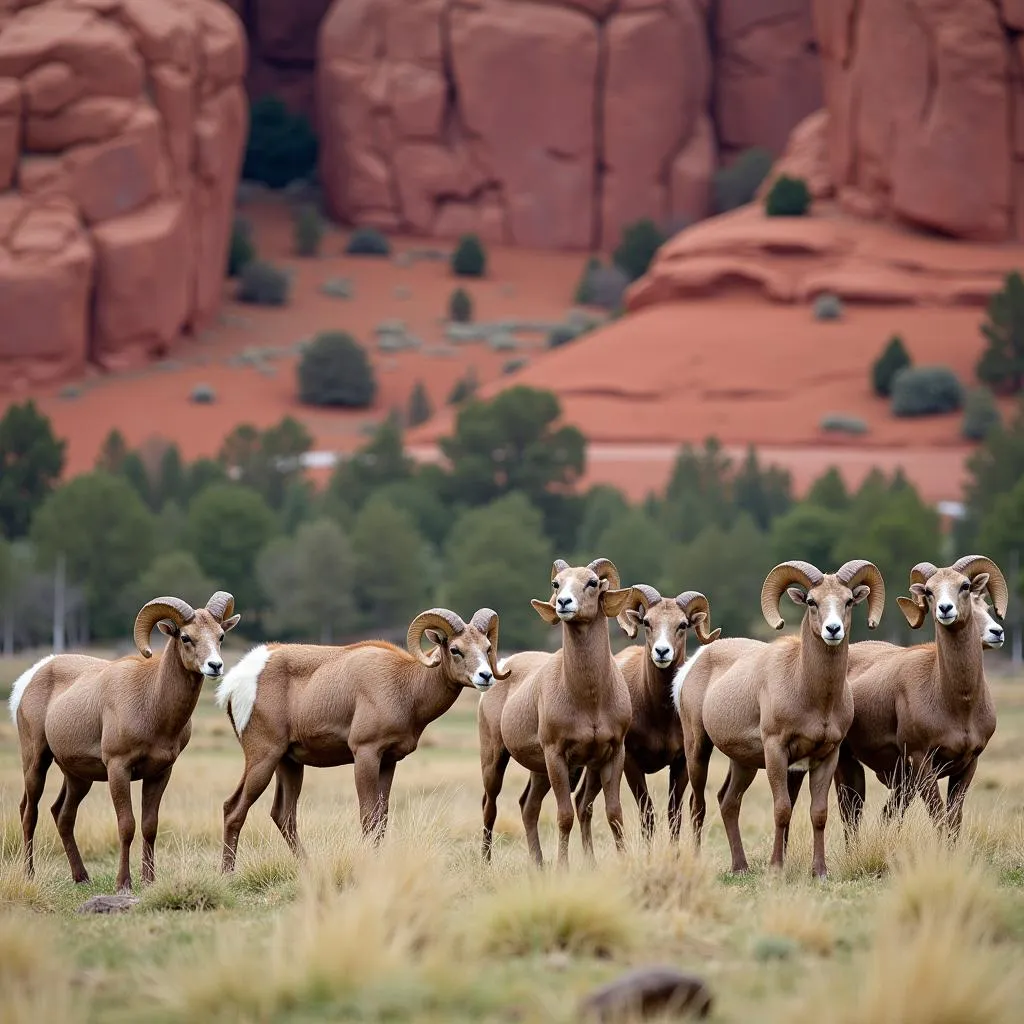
point(545, 610)
point(434, 636)
point(980, 582)
point(861, 593)
point(168, 628)
point(613, 601)
point(918, 590)
point(913, 612)
point(230, 623)
point(796, 595)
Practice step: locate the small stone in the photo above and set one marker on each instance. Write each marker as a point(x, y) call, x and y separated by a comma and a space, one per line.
point(648, 991)
point(108, 904)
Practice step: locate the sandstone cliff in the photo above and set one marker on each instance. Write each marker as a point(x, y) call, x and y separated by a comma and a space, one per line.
point(550, 124)
point(122, 124)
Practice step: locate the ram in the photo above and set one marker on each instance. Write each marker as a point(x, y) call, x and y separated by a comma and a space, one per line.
point(925, 713)
point(559, 713)
point(655, 737)
point(117, 721)
point(786, 706)
point(366, 704)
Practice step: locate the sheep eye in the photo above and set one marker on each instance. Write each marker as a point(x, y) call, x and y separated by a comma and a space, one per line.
point(456, 653)
point(186, 639)
point(591, 583)
point(554, 584)
point(965, 586)
point(849, 602)
point(221, 638)
point(928, 592)
point(811, 603)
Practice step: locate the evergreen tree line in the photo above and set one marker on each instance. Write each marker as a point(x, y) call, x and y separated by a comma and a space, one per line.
point(388, 537)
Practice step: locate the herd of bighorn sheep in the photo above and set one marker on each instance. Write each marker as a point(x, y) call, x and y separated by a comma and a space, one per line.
point(577, 719)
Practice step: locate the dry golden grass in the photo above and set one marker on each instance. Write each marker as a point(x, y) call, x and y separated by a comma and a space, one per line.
point(906, 930)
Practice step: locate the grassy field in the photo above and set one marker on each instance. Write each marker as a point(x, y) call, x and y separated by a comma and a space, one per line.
point(905, 931)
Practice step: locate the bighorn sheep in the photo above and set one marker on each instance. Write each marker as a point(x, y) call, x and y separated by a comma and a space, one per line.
point(366, 704)
point(561, 712)
point(787, 706)
point(924, 713)
point(117, 721)
point(655, 737)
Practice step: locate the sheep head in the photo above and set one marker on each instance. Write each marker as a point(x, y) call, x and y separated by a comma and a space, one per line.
point(666, 622)
point(993, 636)
point(952, 592)
point(829, 599)
point(466, 653)
point(197, 633)
point(583, 593)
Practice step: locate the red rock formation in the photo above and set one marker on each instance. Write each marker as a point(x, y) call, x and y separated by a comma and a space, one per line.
point(122, 124)
point(549, 124)
point(282, 48)
point(926, 112)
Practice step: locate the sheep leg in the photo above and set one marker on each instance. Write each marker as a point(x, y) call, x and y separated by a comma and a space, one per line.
point(585, 798)
point(611, 783)
point(284, 813)
point(387, 777)
point(698, 756)
point(850, 792)
point(959, 783)
point(530, 803)
point(776, 762)
point(637, 782)
point(493, 771)
point(152, 793)
point(367, 772)
point(256, 776)
point(794, 783)
point(928, 787)
point(820, 783)
point(558, 777)
point(677, 779)
point(730, 798)
point(119, 779)
point(35, 769)
point(65, 813)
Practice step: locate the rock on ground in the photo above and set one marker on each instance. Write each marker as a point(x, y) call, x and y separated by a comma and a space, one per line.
point(122, 125)
point(117, 904)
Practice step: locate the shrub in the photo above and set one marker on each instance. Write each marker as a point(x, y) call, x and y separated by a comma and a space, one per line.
point(562, 335)
point(636, 249)
point(335, 370)
point(460, 307)
point(737, 184)
point(420, 409)
point(841, 423)
point(241, 249)
point(203, 394)
point(465, 387)
point(281, 145)
point(981, 414)
point(515, 364)
point(894, 358)
point(1001, 365)
point(926, 391)
point(263, 284)
point(603, 287)
point(309, 230)
point(788, 197)
point(368, 242)
point(469, 258)
point(828, 307)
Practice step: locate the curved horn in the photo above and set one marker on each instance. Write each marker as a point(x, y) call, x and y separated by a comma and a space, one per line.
point(605, 569)
point(776, 582)
point(179, 612)
point(641, 594)
point(692, 601)
point(435, 618)
point(560, 566)
point(858, 571)
point(922, 572)
point(486, 621)
point(221, 606)
point(971, 565)
point(913, 611)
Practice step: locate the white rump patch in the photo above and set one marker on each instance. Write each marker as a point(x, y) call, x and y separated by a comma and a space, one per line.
point(21, 685)
point(237, 690)
point(680, 678)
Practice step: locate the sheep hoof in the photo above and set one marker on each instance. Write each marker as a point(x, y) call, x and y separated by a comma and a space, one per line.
point(108, 904)
point(648, 991)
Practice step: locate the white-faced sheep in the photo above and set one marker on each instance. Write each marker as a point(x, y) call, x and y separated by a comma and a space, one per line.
point(655, 737)
point(925, 712)
point(365, 704)
point(786, 707)
point(562, 711)
point(117, 721)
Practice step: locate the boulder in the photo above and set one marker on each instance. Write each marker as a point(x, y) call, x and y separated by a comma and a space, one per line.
point(122, 124)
